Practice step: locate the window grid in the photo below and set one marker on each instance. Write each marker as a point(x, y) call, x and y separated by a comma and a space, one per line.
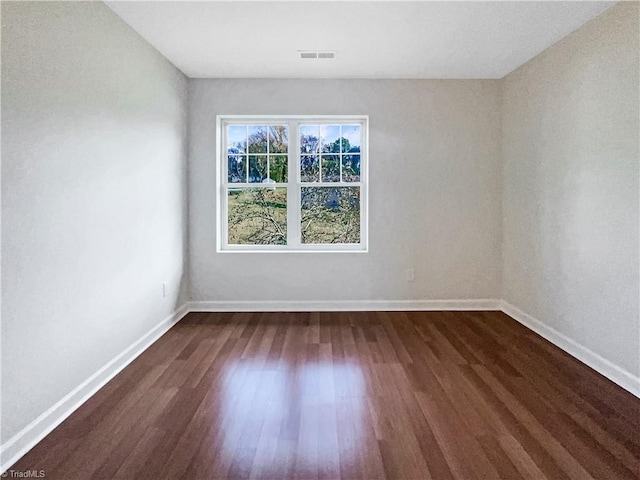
point(320, 154)
point(294, 183)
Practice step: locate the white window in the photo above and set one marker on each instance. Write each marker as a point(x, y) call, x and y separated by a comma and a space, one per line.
point(292, 183)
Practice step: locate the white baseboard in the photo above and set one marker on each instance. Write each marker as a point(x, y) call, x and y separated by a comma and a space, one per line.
point(28, 437)
point(613, 372)
point(344, 305)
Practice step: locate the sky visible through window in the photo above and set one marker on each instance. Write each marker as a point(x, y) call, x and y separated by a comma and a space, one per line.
point(237, 134)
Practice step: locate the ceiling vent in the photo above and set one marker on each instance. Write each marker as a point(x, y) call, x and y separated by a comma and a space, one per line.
point(317, 54)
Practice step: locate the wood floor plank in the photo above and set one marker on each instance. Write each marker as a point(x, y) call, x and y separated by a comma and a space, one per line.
point(539, 430)
point(523, 462)
point(349, 395)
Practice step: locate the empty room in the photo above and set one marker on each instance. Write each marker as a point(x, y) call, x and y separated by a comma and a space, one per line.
point(320, 240)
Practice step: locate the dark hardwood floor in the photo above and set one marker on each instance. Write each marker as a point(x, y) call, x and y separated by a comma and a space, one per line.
point(404, 395)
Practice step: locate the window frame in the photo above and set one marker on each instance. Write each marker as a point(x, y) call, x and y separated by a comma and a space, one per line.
point(293, 184)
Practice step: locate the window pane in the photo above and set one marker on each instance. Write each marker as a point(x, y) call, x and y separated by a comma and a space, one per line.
point(309, 169)
point(330, 135)
point(236, 139)
point(309, 139)
point(351, 168)
point(351, 139)
point(257, 168)
point(278, 139)
point(257, 139)
point(237, 168)
point(330, 215)
point(278, 168)
point(257, 216)
point(330, 168)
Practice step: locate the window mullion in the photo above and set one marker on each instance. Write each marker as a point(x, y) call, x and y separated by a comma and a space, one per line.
point(293, 193)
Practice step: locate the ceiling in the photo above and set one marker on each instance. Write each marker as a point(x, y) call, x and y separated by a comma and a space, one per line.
point(372, 39)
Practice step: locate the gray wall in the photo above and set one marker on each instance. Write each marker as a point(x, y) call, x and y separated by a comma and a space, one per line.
point(571, 185)
point(435, 192)
point(93, 197)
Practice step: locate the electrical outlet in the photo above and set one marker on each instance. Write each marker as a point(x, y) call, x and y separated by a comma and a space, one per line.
point(165, 289)
point(410, 274)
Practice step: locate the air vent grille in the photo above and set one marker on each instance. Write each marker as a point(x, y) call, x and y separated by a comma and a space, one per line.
point(317, 54)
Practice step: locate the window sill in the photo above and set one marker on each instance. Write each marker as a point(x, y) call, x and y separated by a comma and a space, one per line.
point(259, 250)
